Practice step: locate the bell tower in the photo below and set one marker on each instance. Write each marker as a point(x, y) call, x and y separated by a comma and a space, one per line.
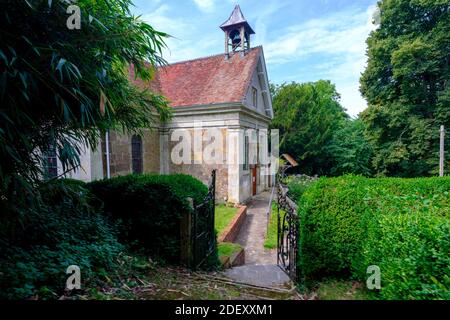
point(237, 32)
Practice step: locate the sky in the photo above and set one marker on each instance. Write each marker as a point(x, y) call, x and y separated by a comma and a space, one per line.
point(303, 40)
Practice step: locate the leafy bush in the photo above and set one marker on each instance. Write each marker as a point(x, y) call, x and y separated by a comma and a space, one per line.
point(150, 208)
point(36, 251)
point(298, 184)
point(401, 225)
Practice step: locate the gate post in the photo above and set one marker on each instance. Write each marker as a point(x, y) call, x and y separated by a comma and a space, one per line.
point(186, 252)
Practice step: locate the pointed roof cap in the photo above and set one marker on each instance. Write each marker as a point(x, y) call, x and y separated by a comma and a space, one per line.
point(236, 18)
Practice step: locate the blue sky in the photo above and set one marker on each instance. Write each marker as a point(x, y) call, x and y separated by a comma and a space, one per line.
point(303, 40)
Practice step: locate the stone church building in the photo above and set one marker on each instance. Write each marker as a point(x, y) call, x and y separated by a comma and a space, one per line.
point(227, 93)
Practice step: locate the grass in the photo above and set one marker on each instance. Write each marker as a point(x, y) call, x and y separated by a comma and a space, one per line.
point(271, 238)
point(341, 290)
point(224, 214)
point(227, 249)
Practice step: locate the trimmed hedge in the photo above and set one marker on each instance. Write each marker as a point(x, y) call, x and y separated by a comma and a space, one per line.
point(149, 208)
point(401, 225)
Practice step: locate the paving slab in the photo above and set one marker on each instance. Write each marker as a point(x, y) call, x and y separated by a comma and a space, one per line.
point(253, 232)
point(260, 267)
point(260, 275)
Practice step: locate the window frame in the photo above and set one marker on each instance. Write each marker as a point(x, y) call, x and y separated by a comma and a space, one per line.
point(255, 97)
point(246, 164)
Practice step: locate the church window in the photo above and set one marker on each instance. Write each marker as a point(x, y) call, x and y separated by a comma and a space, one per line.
point(254, 97)
point(246, 152)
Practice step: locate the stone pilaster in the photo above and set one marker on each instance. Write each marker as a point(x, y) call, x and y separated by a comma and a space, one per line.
point(164, 154)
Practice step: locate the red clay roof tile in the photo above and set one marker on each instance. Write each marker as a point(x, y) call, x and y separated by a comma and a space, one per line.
point(205, 81)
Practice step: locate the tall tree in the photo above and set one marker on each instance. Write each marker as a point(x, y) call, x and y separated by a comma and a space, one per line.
point(350, 150)
point(308, 115)
point(63, 84)
point(406, 84)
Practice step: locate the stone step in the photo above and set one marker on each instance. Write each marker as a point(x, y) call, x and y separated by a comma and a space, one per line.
point(258, 291)
point(270, 276)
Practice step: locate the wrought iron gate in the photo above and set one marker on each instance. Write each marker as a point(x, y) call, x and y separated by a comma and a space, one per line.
point(288, 231)
point(203, 232)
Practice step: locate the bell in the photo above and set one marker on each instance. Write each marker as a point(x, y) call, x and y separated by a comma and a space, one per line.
point(235, 37)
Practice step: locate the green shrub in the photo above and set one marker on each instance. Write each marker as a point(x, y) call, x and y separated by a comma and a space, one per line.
point(401, 225)
point(298, 184)
point(36, 251)
point(149, 208)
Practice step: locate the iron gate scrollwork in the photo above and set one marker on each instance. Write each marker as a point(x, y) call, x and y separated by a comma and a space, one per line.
point(288, 231)
point(203, 232)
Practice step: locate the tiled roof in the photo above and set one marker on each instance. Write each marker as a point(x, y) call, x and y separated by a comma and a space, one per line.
point(205, 81)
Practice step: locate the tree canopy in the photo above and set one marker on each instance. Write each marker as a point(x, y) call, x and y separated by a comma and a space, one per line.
point(65, 86)
point(406, 84)
point(350, 150)
point(308, 115)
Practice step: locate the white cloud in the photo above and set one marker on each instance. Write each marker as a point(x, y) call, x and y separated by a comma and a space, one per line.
point(262, 16)
point(336, 34)
point(181, 45)
point(351, 99)
point(205, 5)
point(333, 47)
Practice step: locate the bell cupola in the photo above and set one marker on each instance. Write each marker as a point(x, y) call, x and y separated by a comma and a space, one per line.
point(237, 32)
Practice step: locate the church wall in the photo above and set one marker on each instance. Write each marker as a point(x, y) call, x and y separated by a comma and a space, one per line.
point(150, 145)
point(120, 154)
point(249, 96)
point(90, 168)
point(202, 171)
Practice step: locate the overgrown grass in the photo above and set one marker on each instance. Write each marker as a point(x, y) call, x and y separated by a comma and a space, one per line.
point(224, 215)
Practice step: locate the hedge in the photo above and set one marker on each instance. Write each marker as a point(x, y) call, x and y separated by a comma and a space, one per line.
point(149, 208)
point(401, 225)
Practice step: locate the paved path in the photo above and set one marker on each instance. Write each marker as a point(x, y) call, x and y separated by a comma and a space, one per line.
point(253, 232)
point(261, 264)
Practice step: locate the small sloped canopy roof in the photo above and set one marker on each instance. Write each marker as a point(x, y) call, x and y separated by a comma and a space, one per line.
point(290, 159)
point(236, 18)
point(205, 81)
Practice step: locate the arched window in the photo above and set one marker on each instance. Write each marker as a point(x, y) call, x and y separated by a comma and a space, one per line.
point(136, 154)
